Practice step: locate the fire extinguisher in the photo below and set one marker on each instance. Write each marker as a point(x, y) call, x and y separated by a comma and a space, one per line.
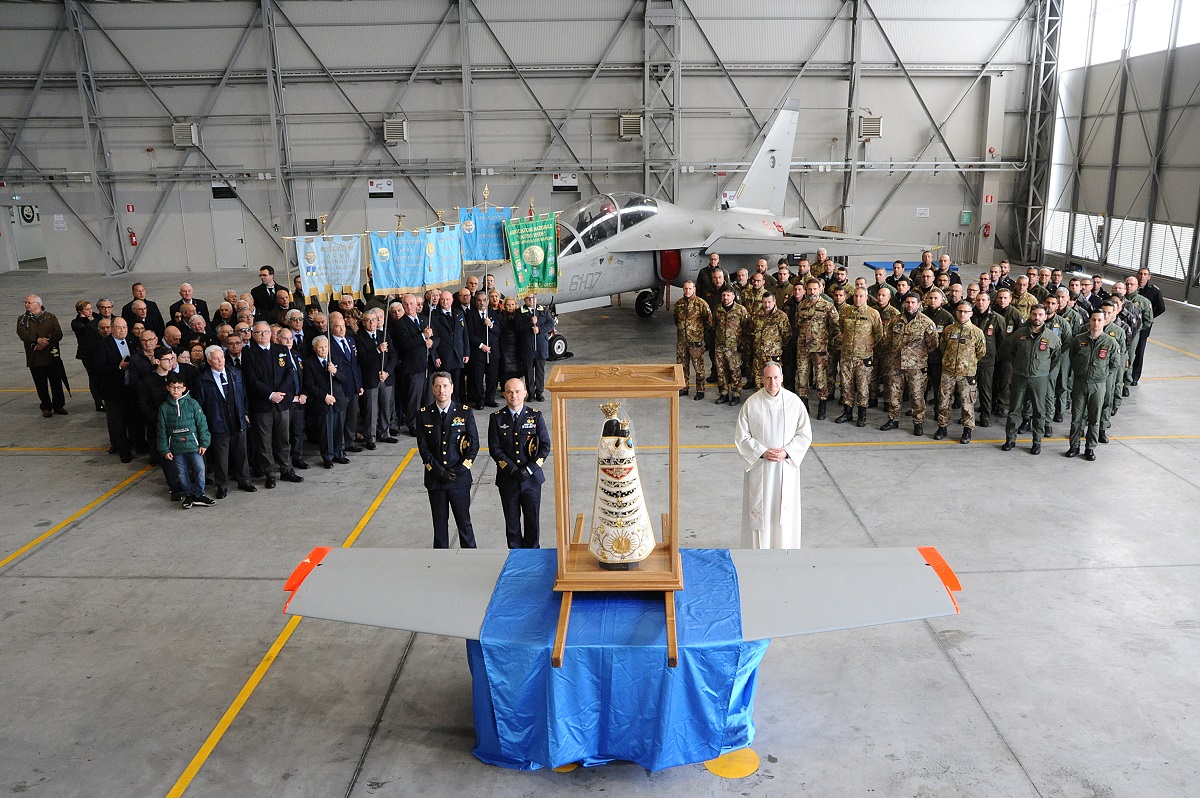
point(132, 236)
point(987, 230)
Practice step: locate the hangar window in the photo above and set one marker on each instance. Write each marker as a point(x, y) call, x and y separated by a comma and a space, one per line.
point(1056, 231)
point(1125, 238)
point(1087, 228)
point(1170, 250)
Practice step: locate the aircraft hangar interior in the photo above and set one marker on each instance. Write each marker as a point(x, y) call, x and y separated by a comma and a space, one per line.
point(168, 151)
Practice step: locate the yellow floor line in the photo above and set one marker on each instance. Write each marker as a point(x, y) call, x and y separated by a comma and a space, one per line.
point(18, 390)
point(1181, 377)
point(75, 516)
point(189, 773)
point(1174, 348)
point(913, 441)
point(52, 449)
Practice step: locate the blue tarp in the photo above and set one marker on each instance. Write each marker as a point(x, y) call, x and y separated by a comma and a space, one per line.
point(614, 698)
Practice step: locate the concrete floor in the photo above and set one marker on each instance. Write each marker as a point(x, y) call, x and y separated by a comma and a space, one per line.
point(1071, 671)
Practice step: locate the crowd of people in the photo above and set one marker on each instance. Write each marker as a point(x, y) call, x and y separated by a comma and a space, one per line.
point(227, 397)
point(1024, 349)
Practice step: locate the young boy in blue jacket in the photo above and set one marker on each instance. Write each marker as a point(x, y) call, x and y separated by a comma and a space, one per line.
point(183, 438)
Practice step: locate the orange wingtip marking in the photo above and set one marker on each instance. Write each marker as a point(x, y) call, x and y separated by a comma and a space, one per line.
point(304, 569)
point(934, 558)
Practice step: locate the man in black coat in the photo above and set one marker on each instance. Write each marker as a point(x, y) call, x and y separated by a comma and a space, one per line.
point(343, 353)
point(327, 399)
point(450, 332)
point(125, 428)
point(221, 392)
point(377, 363)
point(187, 297)
point(153, 319)
point(412, 342)
point(263, 294)
point(519, 443)
point(483, 344)
point(448, 442)
point(270, 387)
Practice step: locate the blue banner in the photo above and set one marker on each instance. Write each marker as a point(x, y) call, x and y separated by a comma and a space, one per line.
point(443, 256)
point(483, 234)
point(330, 265)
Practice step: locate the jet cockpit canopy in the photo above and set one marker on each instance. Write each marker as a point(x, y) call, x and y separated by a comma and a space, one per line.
point(586, 224)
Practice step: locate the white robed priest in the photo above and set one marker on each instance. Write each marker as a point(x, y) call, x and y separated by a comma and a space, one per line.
point(773, 435)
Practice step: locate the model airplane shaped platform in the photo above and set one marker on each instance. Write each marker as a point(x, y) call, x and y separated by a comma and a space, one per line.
point(783, 592)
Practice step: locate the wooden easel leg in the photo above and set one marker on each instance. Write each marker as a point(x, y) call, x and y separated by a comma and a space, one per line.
point(672, 636)
point(560, 634)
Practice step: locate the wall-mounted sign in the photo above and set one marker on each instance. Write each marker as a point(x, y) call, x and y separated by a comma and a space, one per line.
point(379, 189)
point(564, 181)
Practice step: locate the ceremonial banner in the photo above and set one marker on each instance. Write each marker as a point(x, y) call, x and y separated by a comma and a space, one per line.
point(330, 265)
point(397, 261)
point(533, 251)
point(483, 234)
point(443, 256)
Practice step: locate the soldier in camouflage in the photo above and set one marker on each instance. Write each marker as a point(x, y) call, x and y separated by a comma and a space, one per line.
point(692, 320)
point(962, 349)
point(883, 353)
point(911, 337)
point(771, 333)
point(815, 324)
point(1095, 356)
point(860, 330)
point(729, 319)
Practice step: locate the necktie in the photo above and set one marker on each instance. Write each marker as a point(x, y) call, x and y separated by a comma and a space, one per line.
point(222, 384)
point(346, 348)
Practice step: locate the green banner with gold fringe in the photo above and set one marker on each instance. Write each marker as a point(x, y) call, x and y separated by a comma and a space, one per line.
point(533, 252)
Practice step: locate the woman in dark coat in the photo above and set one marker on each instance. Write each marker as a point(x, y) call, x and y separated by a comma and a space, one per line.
point(87, 336)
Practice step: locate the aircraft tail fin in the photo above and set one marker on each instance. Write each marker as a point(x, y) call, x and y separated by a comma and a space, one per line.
point(764, 186)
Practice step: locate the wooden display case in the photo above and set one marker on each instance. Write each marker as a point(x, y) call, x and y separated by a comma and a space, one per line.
point(578, 570)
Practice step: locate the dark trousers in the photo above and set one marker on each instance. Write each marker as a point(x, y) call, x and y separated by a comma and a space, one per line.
point(296, 430)
point(1139, 354)
point(350, 421)
point(227, 457)
point(1003, 385)
point(274, 440)
point(49, 386)
point(452, 497)
point(126, 429)
point(985, 374)
point(368, 414)
point(96, 397)
point(333, 429)
point(524, 498)
point(484, 372)
point(415, 388)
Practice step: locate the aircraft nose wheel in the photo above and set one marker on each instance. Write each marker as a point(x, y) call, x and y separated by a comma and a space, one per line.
point(648, 302)
point(558, 347)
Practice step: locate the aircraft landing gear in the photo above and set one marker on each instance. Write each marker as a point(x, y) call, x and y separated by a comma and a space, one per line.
point(649, 301)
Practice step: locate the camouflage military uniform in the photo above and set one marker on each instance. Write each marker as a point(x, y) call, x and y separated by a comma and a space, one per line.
point(860, 330)
point(692, 318)
point(815, 323)
point(751, 299)
point(771, 332)
point(1024, 303)
point(727, 330)
point(883, 354)
point(962, 349)
point(1093, 362)
point(910, 342)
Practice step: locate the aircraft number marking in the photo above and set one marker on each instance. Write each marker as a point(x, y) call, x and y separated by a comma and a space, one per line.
point(585, 282)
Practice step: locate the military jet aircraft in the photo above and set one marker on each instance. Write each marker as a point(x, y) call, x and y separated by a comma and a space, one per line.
point(613, 243)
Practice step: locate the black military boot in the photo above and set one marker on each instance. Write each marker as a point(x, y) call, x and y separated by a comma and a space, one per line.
point(1058, 417)
point(1009, 445)
point(683, 391)
point(1035, 449)
point(940, 434)
point(1090, 456)
point(1047, 431)
point(804, 399)
point(919, 430)
point(847, 415)
point(984, 421)
point(862, 417)
point(723, 399)
point(1073, 451)
point(873, 402)
point(890, 424)
point(1103, 436)
point(821, 410)
point(1026, 426)
point(966, 436)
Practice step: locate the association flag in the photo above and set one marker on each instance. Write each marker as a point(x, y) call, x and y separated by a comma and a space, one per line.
point(397, 261)
point(482, 234)
point(533, 252)
point(330, 265)
point(443, 256)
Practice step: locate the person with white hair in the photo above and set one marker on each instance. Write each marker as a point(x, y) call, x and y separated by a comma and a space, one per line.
point(40, 335)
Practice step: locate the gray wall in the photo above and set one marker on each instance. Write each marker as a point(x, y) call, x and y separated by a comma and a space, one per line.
point(162, 62)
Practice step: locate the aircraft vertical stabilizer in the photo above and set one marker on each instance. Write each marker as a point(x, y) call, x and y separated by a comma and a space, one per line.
point(765, 186)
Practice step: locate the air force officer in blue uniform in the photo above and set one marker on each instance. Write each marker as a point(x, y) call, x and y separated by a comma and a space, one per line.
point(519, 443)
point(448, 442)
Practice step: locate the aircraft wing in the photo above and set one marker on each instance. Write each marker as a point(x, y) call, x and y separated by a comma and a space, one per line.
point(744, 239)
point(783, 593)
